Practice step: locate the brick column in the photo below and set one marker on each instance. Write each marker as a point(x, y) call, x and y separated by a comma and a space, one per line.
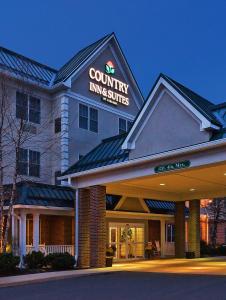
point(97, 226)
point(83, 228)
point(194, 227)
point(180, 230)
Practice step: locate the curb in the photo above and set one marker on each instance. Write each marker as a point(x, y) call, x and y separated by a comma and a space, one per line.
point(50, 278)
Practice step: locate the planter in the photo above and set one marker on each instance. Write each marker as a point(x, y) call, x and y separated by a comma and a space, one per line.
point(109, 261)
point(190, 255)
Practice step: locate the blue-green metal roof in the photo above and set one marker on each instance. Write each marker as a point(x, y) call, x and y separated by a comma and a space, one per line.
point(72, 65)
point(40, 73)
point(26, 67)
point(30, 193)
point(107, 153)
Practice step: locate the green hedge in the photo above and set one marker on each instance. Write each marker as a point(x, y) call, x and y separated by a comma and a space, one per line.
point(8, 262)
point(60, 261)
point(34, 260)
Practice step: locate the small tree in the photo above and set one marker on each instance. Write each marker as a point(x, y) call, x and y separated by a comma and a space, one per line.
point(15, 133)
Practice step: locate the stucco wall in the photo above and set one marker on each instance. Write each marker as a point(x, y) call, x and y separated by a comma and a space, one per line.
point(170, 126)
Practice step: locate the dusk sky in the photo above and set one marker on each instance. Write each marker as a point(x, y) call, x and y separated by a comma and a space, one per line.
point(185, 39)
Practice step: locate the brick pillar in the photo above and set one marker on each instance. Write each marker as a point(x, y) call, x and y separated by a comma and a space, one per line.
point(83, 228)
point(194, 227)
point(97, 226)
point(180, 230)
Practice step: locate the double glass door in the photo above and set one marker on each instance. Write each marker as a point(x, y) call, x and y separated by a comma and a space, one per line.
point(128, 239)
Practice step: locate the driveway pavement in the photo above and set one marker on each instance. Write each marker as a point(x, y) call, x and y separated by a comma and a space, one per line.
point(122, 286)
point(155, 279)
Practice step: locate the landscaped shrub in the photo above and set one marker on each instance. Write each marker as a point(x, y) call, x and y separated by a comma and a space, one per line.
point(221, 250)
point(60, 261)
point(34, 260)
point(8, 262)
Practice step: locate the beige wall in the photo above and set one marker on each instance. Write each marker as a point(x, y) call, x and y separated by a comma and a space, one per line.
point(170, 126)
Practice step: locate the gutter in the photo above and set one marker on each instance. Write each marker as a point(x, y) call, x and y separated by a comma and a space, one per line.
point(149, 158)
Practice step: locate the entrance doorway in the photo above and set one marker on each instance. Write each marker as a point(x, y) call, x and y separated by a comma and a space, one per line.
point(128, 238)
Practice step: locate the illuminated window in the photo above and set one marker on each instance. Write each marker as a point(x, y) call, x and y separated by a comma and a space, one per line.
point(170, 233)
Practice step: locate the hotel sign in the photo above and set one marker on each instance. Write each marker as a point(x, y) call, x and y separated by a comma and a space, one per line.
point(173, 166)
point(108, 87)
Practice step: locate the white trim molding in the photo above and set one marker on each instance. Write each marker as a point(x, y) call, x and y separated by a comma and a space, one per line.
point(130, 140)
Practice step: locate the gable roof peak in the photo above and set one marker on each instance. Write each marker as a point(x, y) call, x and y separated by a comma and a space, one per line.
point(81, 56)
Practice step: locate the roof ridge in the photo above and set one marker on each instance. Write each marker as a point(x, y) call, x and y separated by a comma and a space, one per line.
point(80, 52)
point(27, 58)
point(83, 50)
point(176, 82)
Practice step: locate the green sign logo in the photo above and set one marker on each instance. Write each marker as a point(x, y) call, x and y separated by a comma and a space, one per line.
point(173, 166)
point(109, 68)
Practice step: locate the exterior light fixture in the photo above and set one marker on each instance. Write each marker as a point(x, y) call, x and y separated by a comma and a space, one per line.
point(192, 190)
point(224, 174)
point(162, 184)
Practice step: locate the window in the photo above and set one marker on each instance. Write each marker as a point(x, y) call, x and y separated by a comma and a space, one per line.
point(57, 181)
point(28, 108)
point(34, 110)
point(83, 116)
point(88, 116)
point(28, 162)
point(22, 162)
point(22, 106)
point(57, 125)
point(122, 126)
point(93, 119)
point(170, 233)
point(34, 163)
point(129, 125)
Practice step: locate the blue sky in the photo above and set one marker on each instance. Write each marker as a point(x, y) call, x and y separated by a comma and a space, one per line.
point(183, 39)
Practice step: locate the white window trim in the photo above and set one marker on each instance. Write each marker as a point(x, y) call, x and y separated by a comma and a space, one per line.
point(88, 128)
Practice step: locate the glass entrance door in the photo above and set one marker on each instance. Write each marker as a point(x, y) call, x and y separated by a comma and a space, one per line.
point(128, 240)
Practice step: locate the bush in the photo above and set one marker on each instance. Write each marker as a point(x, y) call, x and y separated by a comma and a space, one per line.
point(8, 262)
point(60, 261)
point(34, 260)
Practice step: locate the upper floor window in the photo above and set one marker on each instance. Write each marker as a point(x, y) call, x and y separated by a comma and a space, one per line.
point(93, 119)
point(88, 118)
point(28, 162)
point(124, 126)
point(28, 108)
point(83, 116)
point(57, 125)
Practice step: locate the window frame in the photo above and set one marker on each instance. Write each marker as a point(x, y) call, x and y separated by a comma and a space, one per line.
point(83, 117)
point(93, 120)
point(31, 112)
point(29, 164)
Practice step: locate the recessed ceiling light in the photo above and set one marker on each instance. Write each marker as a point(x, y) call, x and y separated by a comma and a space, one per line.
point(192, 190)
point(224, 174)
point(162, 184)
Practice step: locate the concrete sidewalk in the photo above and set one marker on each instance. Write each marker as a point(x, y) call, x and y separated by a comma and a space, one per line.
point(42, 277)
